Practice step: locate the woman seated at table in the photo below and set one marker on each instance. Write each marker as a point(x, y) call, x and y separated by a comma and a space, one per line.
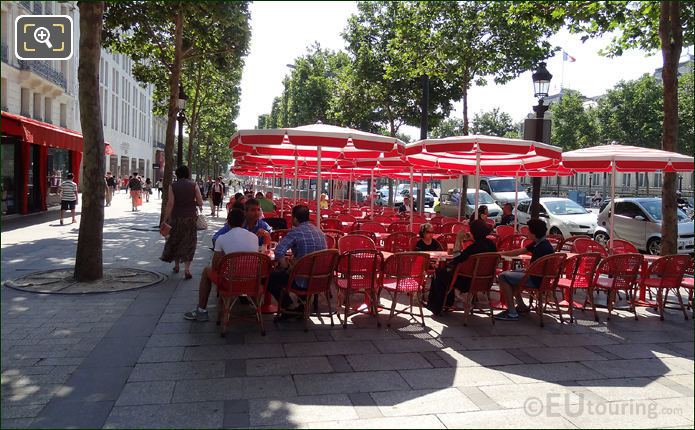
point(443, 277)
point(510, 280)
point(482, 213)
point(427, 242)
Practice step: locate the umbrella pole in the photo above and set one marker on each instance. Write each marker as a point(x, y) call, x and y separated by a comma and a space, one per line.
point(422, 192)
point(282, 192)
point(610, 237)
point(412, 207)
point(318, 189)
point(516, 200)
point(371, 194)
point(463, 193)
point(350, 193)
point(477, 181)
point(294, 191)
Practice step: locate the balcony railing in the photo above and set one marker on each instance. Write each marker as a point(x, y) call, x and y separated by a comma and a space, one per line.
point(42, 69)
point(37, 8)
point(48, 8)
point(25, 4)
point(4, 53)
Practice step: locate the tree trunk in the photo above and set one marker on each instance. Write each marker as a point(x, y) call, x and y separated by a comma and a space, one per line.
point(671, 36)
point(174, 79)
point(464, 98)
point(89, 260)
point(535, 197)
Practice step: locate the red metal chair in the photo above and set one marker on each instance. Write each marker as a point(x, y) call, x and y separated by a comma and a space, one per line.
point(566, 244)
point(316, 271)
point(504, 230)
point(421, 219)
point(398, 242)
point(448, 219)
point(437, 219)
point(369, 234)
point(382, 219)
point(579, 274)
point(357, 273)
point(548, 269)
point(331, 242)
point(399, 226)
point(481, 270)
point(687, 284)
point(666, 275)
point(347, 218)
point(375, 227)
point(454, 227)
point(242, 274)
point(616, 273)
point(405, 273)
point(583, 245)
point(621, 247)
point(277, 235)
point(493, 237)
point(447, 239)
point(353, 242)
point(490, 222)
point(331, 224)
point(270, 215)
point(335, 234)
point(523, 230)
point(509, 243)
point(554, 240)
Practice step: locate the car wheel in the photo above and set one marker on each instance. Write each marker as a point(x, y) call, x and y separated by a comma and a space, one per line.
point(556, 231)
point(602, 238)
point(654, 246)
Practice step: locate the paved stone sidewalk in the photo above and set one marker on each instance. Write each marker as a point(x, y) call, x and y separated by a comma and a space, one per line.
point(130, 360)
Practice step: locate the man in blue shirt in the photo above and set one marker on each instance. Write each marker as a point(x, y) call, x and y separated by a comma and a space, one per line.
point(303, 239)
point(510, 280)
point(254, 223)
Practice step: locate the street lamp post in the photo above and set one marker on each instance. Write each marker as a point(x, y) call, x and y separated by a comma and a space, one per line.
point(680, 183)
point(541, 84)
point(181, 117)
point(590, 177)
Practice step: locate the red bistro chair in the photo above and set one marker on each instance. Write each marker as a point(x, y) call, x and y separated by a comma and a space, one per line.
point(621, 247)
point(616, 273)
point(385, 219)
point(504, 230)
point(398, 242)
point(687, 284)
point(331, 242)
point(369, 234)
point(584, 244)
point(316, 270)
point(666, 275)
point(579, 274)
point(331, 224)
point(405, 273)
point(554, 240)
point(548, 269)
point(453, 227)
point(373, 226)
point(566, 244)
point(480, 269)
point(447, 239)
point(523, 229)
point(242, 274)
point(357, 273)
point(353, 242)
point(399, 226)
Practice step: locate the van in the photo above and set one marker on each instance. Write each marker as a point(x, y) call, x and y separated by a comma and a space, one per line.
point(501, 189)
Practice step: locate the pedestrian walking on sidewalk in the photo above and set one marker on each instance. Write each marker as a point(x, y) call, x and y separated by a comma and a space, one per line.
point(181, 214)
point(68, 197)
point(148, 189)
point(159, 188)
point(135, 186)
point(107, 192)
point(111, 182)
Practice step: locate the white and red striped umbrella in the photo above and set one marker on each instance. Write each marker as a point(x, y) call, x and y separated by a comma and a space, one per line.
point(626, 158)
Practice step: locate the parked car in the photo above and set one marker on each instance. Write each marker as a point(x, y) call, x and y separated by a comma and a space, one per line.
point(562, 216)
point(403, 190)
point(448, 204)
point(501, 189)
point(638, 220)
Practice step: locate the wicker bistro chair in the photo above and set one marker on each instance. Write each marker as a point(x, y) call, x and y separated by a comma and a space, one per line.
point(242, 274)
point(353, 242)
point(369, 234)
point(331, 224)
point(334, 235)
point(399, 226)
point(579, 274)
point(621, 247)
point(555, 240)
point(583, 245)
point(566, 244)
point(503, 231)
point(317, 270)
point(548, 269)
point(481, 270)
point(454, 227)
point(405, 273)
point(523, 230)
point(616, 273)
point(398, 242)
point(666, 275)
point(688, 285)
point(357, 273)
point(447, 239)
point(372, 226)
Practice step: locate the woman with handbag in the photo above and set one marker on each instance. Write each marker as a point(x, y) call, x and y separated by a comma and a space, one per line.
point(181, 214)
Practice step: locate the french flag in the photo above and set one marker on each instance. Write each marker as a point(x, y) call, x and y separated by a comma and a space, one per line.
point(568, 57)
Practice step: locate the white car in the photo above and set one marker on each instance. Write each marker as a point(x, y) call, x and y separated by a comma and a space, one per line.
point(638, 220)
point(501, 189)
point(562, 216)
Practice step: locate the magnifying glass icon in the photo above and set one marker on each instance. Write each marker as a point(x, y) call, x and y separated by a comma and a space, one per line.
point(41, 35)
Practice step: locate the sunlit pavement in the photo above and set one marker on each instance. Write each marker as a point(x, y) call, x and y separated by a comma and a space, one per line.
point(130, 360)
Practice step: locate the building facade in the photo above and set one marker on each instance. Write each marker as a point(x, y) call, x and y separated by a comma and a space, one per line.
point(41, 139)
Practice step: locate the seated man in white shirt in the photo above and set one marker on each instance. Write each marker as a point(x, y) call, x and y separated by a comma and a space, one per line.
point(237, 239)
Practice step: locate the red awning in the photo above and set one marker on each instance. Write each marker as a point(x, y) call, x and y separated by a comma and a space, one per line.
point(41, 133)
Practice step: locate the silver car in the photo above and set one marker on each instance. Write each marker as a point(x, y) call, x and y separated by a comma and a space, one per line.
point(449, 204)
point(638, 220)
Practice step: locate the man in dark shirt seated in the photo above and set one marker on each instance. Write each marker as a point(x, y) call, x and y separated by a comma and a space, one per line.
point(507, 215)
point(510, 280)
point(443, 277)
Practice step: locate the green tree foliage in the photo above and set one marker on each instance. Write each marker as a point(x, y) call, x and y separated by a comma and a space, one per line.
point(686, 119)
point(465, 43)
point(574, 126)
point(632, 113)
point(162, 36)
point(493, 123)
point(447, 128)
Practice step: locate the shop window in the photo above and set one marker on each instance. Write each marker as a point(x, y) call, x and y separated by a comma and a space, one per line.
point(26, 102)
point(37, 106)
point(10, 175)
point(48, 110)
point(63, 115)
point(58, 164)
